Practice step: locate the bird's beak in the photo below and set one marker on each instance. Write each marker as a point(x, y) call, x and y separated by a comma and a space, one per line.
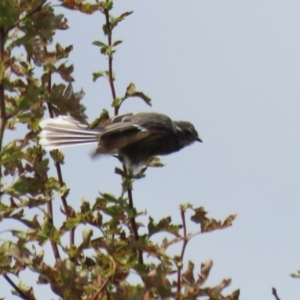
point(199, 140)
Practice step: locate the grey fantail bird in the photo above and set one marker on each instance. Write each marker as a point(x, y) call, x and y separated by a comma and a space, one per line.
point(133, 137)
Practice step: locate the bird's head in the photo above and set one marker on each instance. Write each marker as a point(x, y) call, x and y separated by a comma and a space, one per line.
point(186, 132)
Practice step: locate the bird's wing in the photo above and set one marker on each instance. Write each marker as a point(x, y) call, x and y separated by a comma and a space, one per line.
point(120, 135)
point(130, 128)
point(152, 121)
point(113, 142)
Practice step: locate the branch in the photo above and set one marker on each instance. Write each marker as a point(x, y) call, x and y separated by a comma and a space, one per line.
point(185, 241)
point(3, 118)
point(26, 17)
point(59, 173)
point(20, 292)
point(49, 204)
point(132, 220)
point(53, 245)
point(113, 92)
point(274, 293)
point(110, 59)
point(100, 289)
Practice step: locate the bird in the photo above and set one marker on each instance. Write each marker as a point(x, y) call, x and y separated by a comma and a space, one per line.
point(133, 137)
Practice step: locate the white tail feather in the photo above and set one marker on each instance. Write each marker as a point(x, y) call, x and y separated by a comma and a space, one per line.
point(65, 131)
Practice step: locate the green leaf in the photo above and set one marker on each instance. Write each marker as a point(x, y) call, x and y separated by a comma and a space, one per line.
point(2, 70)
point(65, 72)
point(296, 275)
point(114, 211)
point(104, 116)
point(109, 51)
point(27, 185)
point(66, 101)
point(132, 92)
point(118, 42)
point(163, 225)
point(109, 197)
point(105, 50)
point(186, 206)
point(38, 259)
point(117, 102)
point(117, 20)
point(64, 191)
point(127, 184)
point(96, 75)
point(210, 224)
point(87, 234)
point(119, 172)
point(87, 8)
point(72, 222)
point(107, 5)
point(9, 14)
point(99, 43)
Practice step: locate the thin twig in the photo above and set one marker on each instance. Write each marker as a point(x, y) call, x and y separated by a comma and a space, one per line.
point(3, 118)
point(133, 223)
point(274, 293)
point(20, 292)
point(110, 59)
point(132, 220)
point(53, 245)
point(26, 17)
point(185, 241)
point(49, 203)
point(59, 173)
point(113, 92)
point(100, 289)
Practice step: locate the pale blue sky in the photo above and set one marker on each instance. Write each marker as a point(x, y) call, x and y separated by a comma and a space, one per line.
point(233, 69)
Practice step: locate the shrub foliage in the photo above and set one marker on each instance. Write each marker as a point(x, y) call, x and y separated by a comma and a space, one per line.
point(111, 230)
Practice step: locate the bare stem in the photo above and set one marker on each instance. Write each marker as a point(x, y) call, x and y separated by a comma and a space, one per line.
point(20, 292)
point(59, 173)
point(110, 60)
point(113, 93)
point(274, 293)
point(100, 289)
point(3, 118)
point(49, 204)
point(132, 220)
point(185, 241)
point(53, 245)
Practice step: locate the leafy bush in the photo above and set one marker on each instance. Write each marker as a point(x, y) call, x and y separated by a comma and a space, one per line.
point(117, 249)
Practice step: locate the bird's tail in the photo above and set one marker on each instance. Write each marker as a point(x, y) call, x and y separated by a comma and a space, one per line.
point(65, 131)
